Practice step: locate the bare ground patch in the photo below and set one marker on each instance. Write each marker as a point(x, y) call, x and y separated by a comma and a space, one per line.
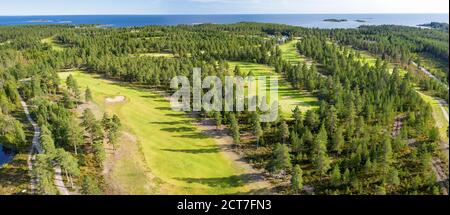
point(116, 99)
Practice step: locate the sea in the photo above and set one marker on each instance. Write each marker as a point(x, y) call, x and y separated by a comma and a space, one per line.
point(304, 20)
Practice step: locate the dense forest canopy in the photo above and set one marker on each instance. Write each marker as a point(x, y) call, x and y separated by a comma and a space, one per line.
point(345, 147)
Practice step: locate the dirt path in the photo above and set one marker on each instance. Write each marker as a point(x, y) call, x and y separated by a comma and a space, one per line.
point(36, 149)
point(428, 73)
point(398, 124)
point(437, 164)
point(441, 176)
point(442, 104)
point(59, 182)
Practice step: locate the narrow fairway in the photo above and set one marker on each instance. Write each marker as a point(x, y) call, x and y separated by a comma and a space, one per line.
point(290, 53)
point(51, 42)
point(289, 97)
point(439, 115)
point(180, 158)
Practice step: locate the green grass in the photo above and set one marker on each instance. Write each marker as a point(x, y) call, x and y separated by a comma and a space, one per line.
point(52, 43)
point(14, 176)
point(184, 160)
point(436, 67)
point(289, 97)
point(156, 55)
point(371, 60)
point(441, 121)
point(290, 53)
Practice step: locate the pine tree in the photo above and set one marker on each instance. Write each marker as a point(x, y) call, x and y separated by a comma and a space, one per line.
point(235, 129)
point(88, 95)
point(346, 176)
point(393, 179)
point(297, 143)
point(284, 132)
point(43, 172)
point(99, 152)
point(47, 142)
point(312, 119)
point(218, 118)
point(281, 158)
point(331, 120)
point(88, 119)
point(319, 156)
point(69, 164)
point(74, 135)
point(297, 179)
point(257, 131)
point(387, 152)
point(335, 176)
point(338, 141)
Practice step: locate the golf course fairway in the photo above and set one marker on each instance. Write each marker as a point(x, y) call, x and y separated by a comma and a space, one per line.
point(178, 158)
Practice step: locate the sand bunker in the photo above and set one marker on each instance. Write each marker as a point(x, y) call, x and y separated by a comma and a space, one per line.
point(117, 99)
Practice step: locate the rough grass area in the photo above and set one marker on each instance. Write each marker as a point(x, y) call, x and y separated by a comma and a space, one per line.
point(176, 157)
point(438, 115)
point(14, 176)
point(52, 43)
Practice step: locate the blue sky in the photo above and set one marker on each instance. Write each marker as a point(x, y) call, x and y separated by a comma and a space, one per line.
point(62, 7)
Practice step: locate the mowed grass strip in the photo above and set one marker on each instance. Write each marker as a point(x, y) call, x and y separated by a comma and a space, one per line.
point(155, 55)
point(290, 53)
point(185, 160)
point(438, 115)
point(289, 97)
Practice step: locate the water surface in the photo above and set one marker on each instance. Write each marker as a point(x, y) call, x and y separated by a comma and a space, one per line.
point(305, 20)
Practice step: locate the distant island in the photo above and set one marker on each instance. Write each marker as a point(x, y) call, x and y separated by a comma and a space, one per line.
point(360, 20)
point(335, 20)
point(41, 20)
point(436, 25)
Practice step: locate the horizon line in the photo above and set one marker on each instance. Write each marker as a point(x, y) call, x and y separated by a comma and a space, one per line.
point(206, 14)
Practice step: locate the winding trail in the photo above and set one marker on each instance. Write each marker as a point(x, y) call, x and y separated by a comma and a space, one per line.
point(37, 149)
point(437, 164)
point(443, 103)
point(428, 73)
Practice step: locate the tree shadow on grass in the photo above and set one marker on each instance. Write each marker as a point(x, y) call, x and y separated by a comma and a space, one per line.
point(194, 136)
point(178, 129)
point(195, 151)
point(163, 108)
point(175, 114)
point(151, 96)
point(172, 122)
point(222, 182)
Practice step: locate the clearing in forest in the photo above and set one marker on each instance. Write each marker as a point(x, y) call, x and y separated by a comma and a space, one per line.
point(171, 156)
point(53, 44)
point(290, 53)
point(289, 97)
